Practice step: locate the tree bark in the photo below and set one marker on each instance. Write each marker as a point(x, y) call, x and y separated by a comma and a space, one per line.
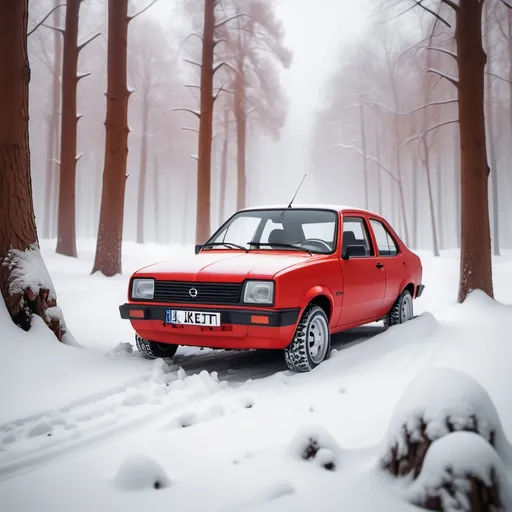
point(365, 161)
point(241, 135)
point(18, 234)
point(110, 231)
point(224, 168)
point(456, 167)
point(426, 161)
point(415, 199)
point(205, 126)
point(156, 197)
point(143, 170)
point(51, 172)
point(379, 171)
point(440, 203)
point(66, 222)
point(475, 262)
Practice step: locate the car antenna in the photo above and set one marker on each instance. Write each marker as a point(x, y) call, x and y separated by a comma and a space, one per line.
point(297, 191)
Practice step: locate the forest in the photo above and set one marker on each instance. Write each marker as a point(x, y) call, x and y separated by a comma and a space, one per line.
point(150, 127)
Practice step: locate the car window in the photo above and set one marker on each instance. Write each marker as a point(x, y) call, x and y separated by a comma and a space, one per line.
point(355, 232)
point(269, 227)
point(239, 231)
point(320, 230)
point(385, 242)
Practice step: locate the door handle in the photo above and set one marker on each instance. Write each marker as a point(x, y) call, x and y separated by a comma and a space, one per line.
point(379, 265)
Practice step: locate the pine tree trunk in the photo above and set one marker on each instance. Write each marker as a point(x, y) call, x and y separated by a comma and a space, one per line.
point(379, 171)
point(241, 135)
point(426, 161)
point(475, 263)
point(440, 210)
point(143, 170)
point(156, 197)
point(205, 127)
point(365, 160)
point(110, 231)
point(224, 168)
point(415, 201)
point(66, 222)
point(51, 171)
point(456, 167)
point(18, 234)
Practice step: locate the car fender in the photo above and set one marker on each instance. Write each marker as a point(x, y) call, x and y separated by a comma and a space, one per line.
point(406, 281)
point(315, 291)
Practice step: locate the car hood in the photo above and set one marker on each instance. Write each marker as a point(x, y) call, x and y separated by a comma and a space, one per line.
point(228, 267)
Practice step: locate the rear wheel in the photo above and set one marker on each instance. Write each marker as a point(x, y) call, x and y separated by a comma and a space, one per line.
point(402, 310)
point(154, 350)
point(311, 342)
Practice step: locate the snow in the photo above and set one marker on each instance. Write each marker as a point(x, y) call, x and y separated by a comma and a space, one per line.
point(450, 462)
point(95, 428)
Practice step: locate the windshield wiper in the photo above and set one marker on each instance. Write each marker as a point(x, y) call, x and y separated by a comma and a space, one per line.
point(290, 246)
point(229, 245)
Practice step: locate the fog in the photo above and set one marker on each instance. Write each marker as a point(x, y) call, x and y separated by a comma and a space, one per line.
point(345, 60)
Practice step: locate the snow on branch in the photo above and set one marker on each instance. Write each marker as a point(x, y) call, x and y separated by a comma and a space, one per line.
point(187, 129)
point(195, 157)
point(130, 18)
point(419, 3)
point(44, 19)
point(90, 40)
point(223, 63)
point(192, 86)
point(191, 111)
point(194, 34)
point(440, 125)
point(218, 41)
point(450, 79)
point(221, 88)
point(82, 75)
point(371, 158)
point(431, 104)
point(442, 50)
point(506, 4)
point(227, 20)
point(77, 157)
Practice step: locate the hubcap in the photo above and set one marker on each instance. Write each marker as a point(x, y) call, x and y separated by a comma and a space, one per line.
point(406, 309)
point(317, 339)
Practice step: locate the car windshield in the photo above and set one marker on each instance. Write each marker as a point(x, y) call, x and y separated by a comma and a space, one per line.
point(289, 229)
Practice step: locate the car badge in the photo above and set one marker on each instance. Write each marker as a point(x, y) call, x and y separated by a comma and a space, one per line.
point(193, 293)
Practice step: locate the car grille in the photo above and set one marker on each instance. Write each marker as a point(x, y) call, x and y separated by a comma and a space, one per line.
point(207, 293)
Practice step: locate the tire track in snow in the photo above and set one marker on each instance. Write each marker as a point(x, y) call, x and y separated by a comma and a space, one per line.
point(30, 442)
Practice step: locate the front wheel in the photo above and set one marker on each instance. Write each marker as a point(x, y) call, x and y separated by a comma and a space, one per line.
point(154, 350)
point(311, 342)
point(402, 310)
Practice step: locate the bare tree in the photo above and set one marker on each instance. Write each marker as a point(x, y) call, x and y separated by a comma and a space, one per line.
point(108, 258)
point(66, 222)
point(24, 293)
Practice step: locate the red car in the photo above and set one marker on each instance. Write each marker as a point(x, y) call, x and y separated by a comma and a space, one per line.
point(277, 278)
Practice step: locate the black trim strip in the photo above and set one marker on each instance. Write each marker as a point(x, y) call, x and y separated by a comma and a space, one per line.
point(278, 318)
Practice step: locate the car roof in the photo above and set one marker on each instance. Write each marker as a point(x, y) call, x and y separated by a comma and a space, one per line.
point(315, 206)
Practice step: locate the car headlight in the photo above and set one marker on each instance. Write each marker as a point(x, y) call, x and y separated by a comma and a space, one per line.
point(143, 289)
point(259, 292)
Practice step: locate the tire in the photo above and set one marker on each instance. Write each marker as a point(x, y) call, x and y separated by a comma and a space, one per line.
point(302, 355)
point(154, 350)
point(402, 310)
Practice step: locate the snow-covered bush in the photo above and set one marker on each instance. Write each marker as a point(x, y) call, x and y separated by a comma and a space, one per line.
point(315, 443)
point(436, 403)
point(139, 472)
point(462, 472)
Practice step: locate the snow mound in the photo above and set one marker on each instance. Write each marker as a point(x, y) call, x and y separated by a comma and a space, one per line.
point(140, 472)
point(437, 402)
point(273, 492)
point(462, 472)
point(312, 442)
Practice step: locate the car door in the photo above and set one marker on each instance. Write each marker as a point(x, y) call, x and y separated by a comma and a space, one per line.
point(389, 256)
point(364, 279)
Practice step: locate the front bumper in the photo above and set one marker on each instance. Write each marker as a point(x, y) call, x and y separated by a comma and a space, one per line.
point(240, 329)
point(276, 318)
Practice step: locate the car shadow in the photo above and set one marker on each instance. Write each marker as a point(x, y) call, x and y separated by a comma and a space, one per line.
point(240, 366)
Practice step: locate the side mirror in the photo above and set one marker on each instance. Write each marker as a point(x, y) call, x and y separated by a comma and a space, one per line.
point(198, 248)
point(354, 251)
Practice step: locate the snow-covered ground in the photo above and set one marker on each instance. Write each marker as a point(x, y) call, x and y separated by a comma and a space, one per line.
point(104, 429)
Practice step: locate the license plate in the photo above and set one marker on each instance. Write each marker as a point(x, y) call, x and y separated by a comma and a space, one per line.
point(173, 316)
